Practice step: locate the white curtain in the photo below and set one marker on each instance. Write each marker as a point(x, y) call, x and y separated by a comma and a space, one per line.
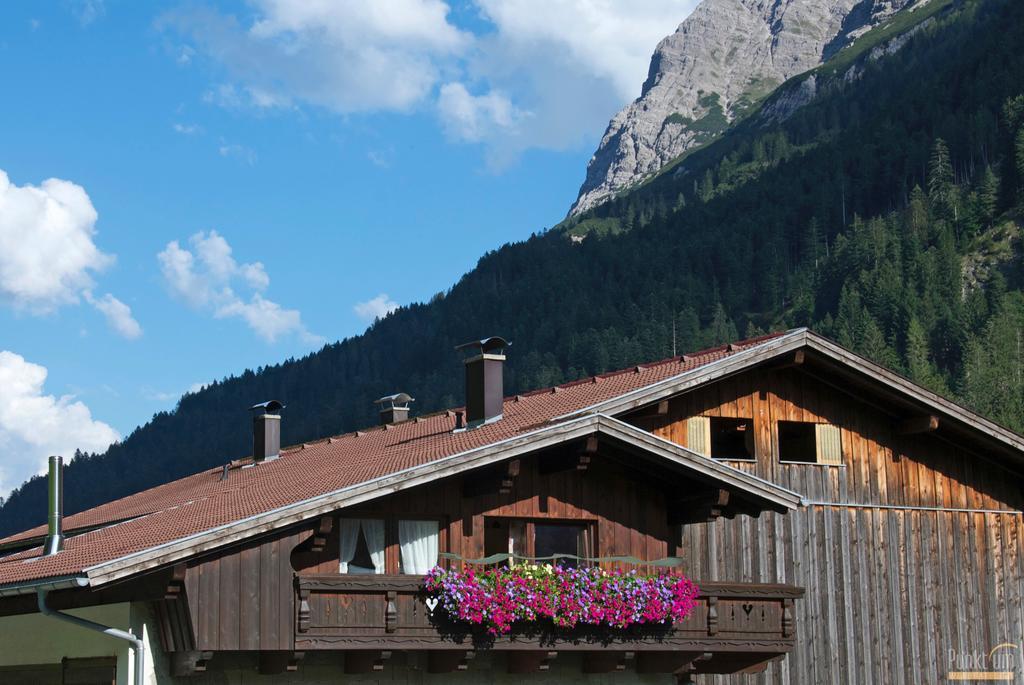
point(349, 539)
point(418, 543)
point(373, 530)
point(373, 533)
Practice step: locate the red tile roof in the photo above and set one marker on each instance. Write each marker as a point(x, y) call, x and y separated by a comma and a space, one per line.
point(203, 501)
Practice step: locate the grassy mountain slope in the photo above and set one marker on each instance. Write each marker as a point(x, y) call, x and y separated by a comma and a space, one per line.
point(855, 216)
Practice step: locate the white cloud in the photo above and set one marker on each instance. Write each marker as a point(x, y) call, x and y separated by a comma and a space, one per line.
point(605, 39)
point(187, 129)
point(247, 155)
point(118, 314)
point(473, 118)
point(206, 277)
point(344, 56)
point(375, 308)
point(47, 254)
point(87, 11)
point(570, 63)
point(549, 75)
point(34, 425)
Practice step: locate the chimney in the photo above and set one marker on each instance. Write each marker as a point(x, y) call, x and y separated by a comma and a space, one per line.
point(55, 512)
point(266, 431)
point(394, 408)
point(484, 386)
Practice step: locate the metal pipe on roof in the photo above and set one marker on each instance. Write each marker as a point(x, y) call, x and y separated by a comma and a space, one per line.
point(139, 645)
point(55, 510)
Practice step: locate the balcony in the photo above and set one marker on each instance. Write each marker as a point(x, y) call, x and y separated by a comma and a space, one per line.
point(736, 627)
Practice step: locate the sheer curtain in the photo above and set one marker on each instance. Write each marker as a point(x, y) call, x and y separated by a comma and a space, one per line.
point(349, 539)
point(373, 530)
point(417, 541)
point(373, 533)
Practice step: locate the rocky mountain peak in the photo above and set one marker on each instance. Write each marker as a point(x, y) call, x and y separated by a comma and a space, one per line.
point(725, 57)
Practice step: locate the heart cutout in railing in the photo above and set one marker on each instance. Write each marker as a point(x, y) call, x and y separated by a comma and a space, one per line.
point(431, 603)
point(747, 608)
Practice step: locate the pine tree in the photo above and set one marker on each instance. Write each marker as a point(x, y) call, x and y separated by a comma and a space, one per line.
point(940, 178)
point(1018, 147)
point(919, 366)
point(721, 329)
point(988, 196)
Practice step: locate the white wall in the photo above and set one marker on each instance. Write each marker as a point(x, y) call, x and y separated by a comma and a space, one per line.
point(37, 639)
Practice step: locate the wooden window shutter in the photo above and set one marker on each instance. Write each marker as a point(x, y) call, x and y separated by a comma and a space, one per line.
point(698, 434)
point(829, 444)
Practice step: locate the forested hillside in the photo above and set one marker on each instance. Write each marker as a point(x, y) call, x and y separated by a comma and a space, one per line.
point(884, 214)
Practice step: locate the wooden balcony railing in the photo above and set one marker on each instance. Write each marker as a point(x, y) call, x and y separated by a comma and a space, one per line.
point(390, 612)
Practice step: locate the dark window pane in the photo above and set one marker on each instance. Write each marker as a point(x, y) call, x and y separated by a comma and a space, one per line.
point(558, 539)
point(732, 438)
point(361, 562)
point(797, 442)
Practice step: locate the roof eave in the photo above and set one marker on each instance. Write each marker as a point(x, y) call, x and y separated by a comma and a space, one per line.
point(705, 373)
point(773, 496)
point(69, 582)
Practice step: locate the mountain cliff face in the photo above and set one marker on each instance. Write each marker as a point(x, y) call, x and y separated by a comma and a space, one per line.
point(721, 60)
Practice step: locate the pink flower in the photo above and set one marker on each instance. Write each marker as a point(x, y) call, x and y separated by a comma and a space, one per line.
point(497, 598)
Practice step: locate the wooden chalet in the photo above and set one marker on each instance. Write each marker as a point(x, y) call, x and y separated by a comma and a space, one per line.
point(842, 524)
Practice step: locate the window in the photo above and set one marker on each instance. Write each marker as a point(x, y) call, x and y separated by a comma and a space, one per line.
point(732, 438)
point(418, 546)
point(560, 538)
point(810, 443)
point(361, 546)
point(531, 539)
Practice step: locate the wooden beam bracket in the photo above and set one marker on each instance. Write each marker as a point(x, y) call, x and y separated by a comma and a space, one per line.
point(366, 661)
point(323, 530)
point(275, 663)
point(500, 480)
point(176, 583)
point(448, 660)
point(918, 424)
point(700, 508)
point(608, 661)
point(188, 664)
point(529, 661)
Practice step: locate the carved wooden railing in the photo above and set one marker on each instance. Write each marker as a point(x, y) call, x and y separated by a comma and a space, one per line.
point(391, 612)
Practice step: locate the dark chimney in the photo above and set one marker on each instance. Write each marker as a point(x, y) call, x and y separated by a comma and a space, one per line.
point(394, 408)
point(484, 385)
point(55, 511)
point(266, 431)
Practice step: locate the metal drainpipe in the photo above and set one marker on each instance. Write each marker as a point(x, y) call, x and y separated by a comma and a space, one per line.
point(140, 648)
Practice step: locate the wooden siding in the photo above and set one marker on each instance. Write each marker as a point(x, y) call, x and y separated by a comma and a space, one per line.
point(913, 547)
point(243, 598)
point(630, 515)
point(879, 466)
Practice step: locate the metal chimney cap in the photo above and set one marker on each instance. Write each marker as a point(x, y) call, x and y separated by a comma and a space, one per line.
point(399, 399)
point(270, 407)
point(485, 345)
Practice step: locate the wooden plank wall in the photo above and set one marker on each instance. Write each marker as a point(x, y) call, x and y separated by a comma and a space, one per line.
point(630, 515)
point(891, 588)
point(244, 598)
point(889, 592)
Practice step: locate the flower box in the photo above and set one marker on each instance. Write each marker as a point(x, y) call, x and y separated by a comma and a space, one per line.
point(496, 598)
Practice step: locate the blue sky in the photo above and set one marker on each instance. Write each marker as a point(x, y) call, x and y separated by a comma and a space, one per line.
point(236, 183)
